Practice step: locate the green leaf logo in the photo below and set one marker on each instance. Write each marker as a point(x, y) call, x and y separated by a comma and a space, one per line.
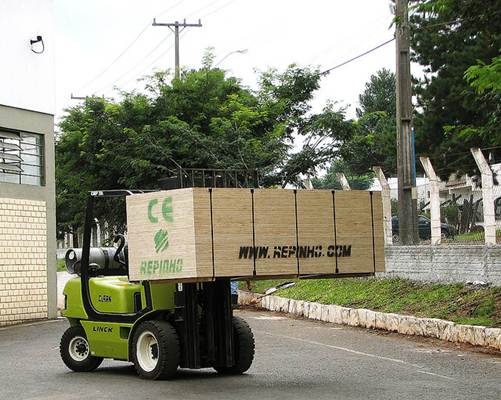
point(161, 240)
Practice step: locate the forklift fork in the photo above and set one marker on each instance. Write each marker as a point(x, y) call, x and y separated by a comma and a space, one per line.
point(204, 320)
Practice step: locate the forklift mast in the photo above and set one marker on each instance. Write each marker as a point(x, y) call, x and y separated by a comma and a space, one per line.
point(203, 311)
point(207, 340)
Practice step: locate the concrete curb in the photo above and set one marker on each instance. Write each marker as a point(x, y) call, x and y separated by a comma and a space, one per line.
point(404, 324)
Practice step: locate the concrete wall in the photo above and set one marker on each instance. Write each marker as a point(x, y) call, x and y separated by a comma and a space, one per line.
point(23, 260)
point(445, 263)
point(31, 199)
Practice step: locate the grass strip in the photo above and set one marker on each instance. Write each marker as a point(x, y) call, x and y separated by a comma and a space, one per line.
point(454, 302)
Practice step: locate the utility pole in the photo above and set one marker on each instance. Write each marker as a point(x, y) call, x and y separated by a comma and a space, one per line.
point(407, 194)
point(174, 27)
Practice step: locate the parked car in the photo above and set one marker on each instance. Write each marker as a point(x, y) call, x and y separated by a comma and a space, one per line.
point(424, 228)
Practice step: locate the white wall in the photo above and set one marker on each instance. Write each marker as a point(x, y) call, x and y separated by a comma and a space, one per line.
point(26, 78)
point(444, 263)
point(422, 186)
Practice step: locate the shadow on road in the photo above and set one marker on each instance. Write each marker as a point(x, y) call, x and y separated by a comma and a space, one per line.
point(182, 374)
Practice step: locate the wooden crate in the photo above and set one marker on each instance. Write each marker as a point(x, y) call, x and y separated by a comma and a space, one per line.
point(315, 221)
point(201, 234)
point(275, 232)
point(355, 233)
point(232, 227)
point(182, 215)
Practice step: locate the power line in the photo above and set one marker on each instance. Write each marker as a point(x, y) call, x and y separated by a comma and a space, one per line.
point(465, 153)
point(161, 55)
point(224, 5)
point(186, 32)
point(127, 48)
point(325, 50)
point(170, 8)
point(202, 8)
point(138, 63)
point(151, 51)
point(356, 57)
point(454, 21)
point(176, 27)
point(136, 77)
point(219, 9)
point(491, 148)
point(116, 59)
point(182, 35)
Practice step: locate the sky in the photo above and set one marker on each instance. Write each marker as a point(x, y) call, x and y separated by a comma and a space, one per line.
point(105, 43)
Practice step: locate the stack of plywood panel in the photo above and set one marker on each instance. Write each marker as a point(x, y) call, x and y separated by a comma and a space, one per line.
point(201, 234)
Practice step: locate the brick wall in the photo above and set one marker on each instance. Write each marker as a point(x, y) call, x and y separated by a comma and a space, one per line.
point(23, 261)
point(453, 263)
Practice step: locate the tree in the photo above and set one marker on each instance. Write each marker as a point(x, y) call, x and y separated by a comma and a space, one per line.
point(448, 37)
point(484, 77)
point(374, 141)
point(370, 140)
point(379, 95)
point(205, 119)
point(353, 146)
point(330, 180)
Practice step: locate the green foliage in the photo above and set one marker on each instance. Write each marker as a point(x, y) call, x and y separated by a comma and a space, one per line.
point(324, 133)
point(477, 235)
point(373, 136)
point(354, 145)
point(205, 119)
point(454, 302)
point(448, 37)
point(450, 214)
point(330, 180)
point(422, 211)
point(485, 77)
point(379, 95)
point(60, 266)
point(394, 207)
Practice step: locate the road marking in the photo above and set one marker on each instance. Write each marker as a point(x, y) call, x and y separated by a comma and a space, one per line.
point(432, 351)
point(440, 376)
point(360, 353)
point(269, 318)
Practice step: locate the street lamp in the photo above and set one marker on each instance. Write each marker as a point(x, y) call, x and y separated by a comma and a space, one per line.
point(230, 53)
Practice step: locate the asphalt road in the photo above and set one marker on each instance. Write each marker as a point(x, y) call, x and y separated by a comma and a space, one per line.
point(295, 359)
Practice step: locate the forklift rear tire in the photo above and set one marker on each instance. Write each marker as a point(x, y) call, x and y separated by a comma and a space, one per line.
point(75, 351)
point(244, 348)
point(155, 350)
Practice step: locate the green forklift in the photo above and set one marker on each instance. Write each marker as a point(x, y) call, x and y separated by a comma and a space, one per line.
point(157, 326)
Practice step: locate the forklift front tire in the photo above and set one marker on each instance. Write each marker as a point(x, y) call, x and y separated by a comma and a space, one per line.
point(244, 348)
point(75, 351)
point(156, 350)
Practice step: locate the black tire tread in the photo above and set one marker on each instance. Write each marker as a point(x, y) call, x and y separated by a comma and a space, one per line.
point(168, 343)
point(89, 364)
point(244, 348)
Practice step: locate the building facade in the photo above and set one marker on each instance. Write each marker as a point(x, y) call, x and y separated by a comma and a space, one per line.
point(27, 178)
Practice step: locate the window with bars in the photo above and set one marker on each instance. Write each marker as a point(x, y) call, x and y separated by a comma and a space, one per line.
point(21, 158)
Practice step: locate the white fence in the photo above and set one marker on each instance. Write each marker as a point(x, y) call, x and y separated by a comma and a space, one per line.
point(461, 211)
